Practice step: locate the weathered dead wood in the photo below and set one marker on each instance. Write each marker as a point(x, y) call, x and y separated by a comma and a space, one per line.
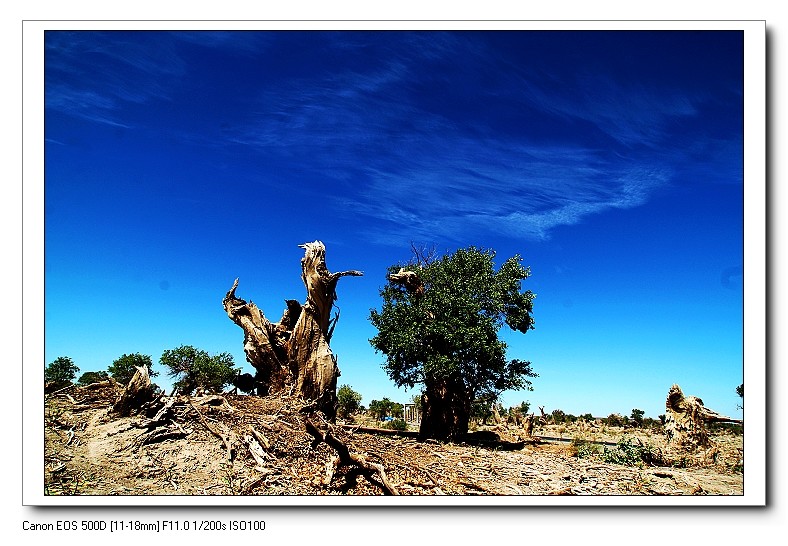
point(159, 435)
point(410, 280)
point(100, 385)
point(225, 438)
point(331, 467)
point(382, 431)
point(265, 343)
point(260, 437)
point(162, 416)
point(137, 393)
point(214, 400)
point(686, 418)
point(257, 452)
point(368, 469)
point(294, 354)
point(50, 391)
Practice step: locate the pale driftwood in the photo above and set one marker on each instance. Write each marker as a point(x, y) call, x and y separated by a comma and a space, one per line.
point(214, 400)
point(257, 452)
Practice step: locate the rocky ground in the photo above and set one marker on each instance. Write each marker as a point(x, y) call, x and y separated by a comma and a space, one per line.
point(247, 445)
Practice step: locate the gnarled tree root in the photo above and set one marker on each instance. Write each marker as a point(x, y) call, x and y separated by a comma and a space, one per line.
point(346, 458)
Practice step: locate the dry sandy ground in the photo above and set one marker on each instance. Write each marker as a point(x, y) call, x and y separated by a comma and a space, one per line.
point(88, 451)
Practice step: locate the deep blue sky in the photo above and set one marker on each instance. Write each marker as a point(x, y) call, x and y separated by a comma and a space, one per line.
point(610, 161)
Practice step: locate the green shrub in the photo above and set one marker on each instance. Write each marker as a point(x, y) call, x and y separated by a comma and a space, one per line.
point(585, 449)
point(632, 452)
point(397, 424)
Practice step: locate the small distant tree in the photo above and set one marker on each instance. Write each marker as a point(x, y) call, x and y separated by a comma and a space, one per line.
point(587, 417)
point(558, 416)
point(348, 401)
point(88, 378)
point(524, 407)
point(123, 368)
point(195, 368)
point(637, 416)
point(60, 373)
point(416, 401)
point(614, 420)
point(397, 409)
point(740, 392)
point(380, 408)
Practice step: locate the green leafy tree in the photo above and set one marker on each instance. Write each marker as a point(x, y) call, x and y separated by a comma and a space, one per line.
point(381, 408)
point(439, 326)
point(60, 372)
point(397, 410)
point(348, 401)
point(637, 416)
point(559, 416)
point(740, 392)
point(92, 377)
point(615, 420)
point(124, 367)
point(195, 368)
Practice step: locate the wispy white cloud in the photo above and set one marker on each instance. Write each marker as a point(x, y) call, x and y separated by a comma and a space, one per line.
point(430, 135)
point(503, 191)
point(94, 75)
point(423, 171)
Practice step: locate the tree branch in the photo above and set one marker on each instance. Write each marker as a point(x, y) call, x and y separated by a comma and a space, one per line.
point(351, 459)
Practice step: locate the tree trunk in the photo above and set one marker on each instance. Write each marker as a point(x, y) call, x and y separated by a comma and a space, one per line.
point(295, 352)
point(446, 410)
point(686, 418)
point(136, 394)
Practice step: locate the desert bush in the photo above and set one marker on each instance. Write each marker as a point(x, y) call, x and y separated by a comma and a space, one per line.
point(397, 424)
point(633, 452)
point(92, 377)
point(585, 449)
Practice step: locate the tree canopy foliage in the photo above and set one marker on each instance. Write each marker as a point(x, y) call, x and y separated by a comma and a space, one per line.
point(92, 377)
point(195, 369)
point(385, 408)
point(123, 368)
point(348, 401)
point(60, 372)
point(438, 326)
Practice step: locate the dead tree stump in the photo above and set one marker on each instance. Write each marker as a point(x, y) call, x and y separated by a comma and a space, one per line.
point(137, 393)
point(295, 351)
point(686, 418)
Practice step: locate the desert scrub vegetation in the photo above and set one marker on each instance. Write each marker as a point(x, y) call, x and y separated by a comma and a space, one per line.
point(627, 452)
